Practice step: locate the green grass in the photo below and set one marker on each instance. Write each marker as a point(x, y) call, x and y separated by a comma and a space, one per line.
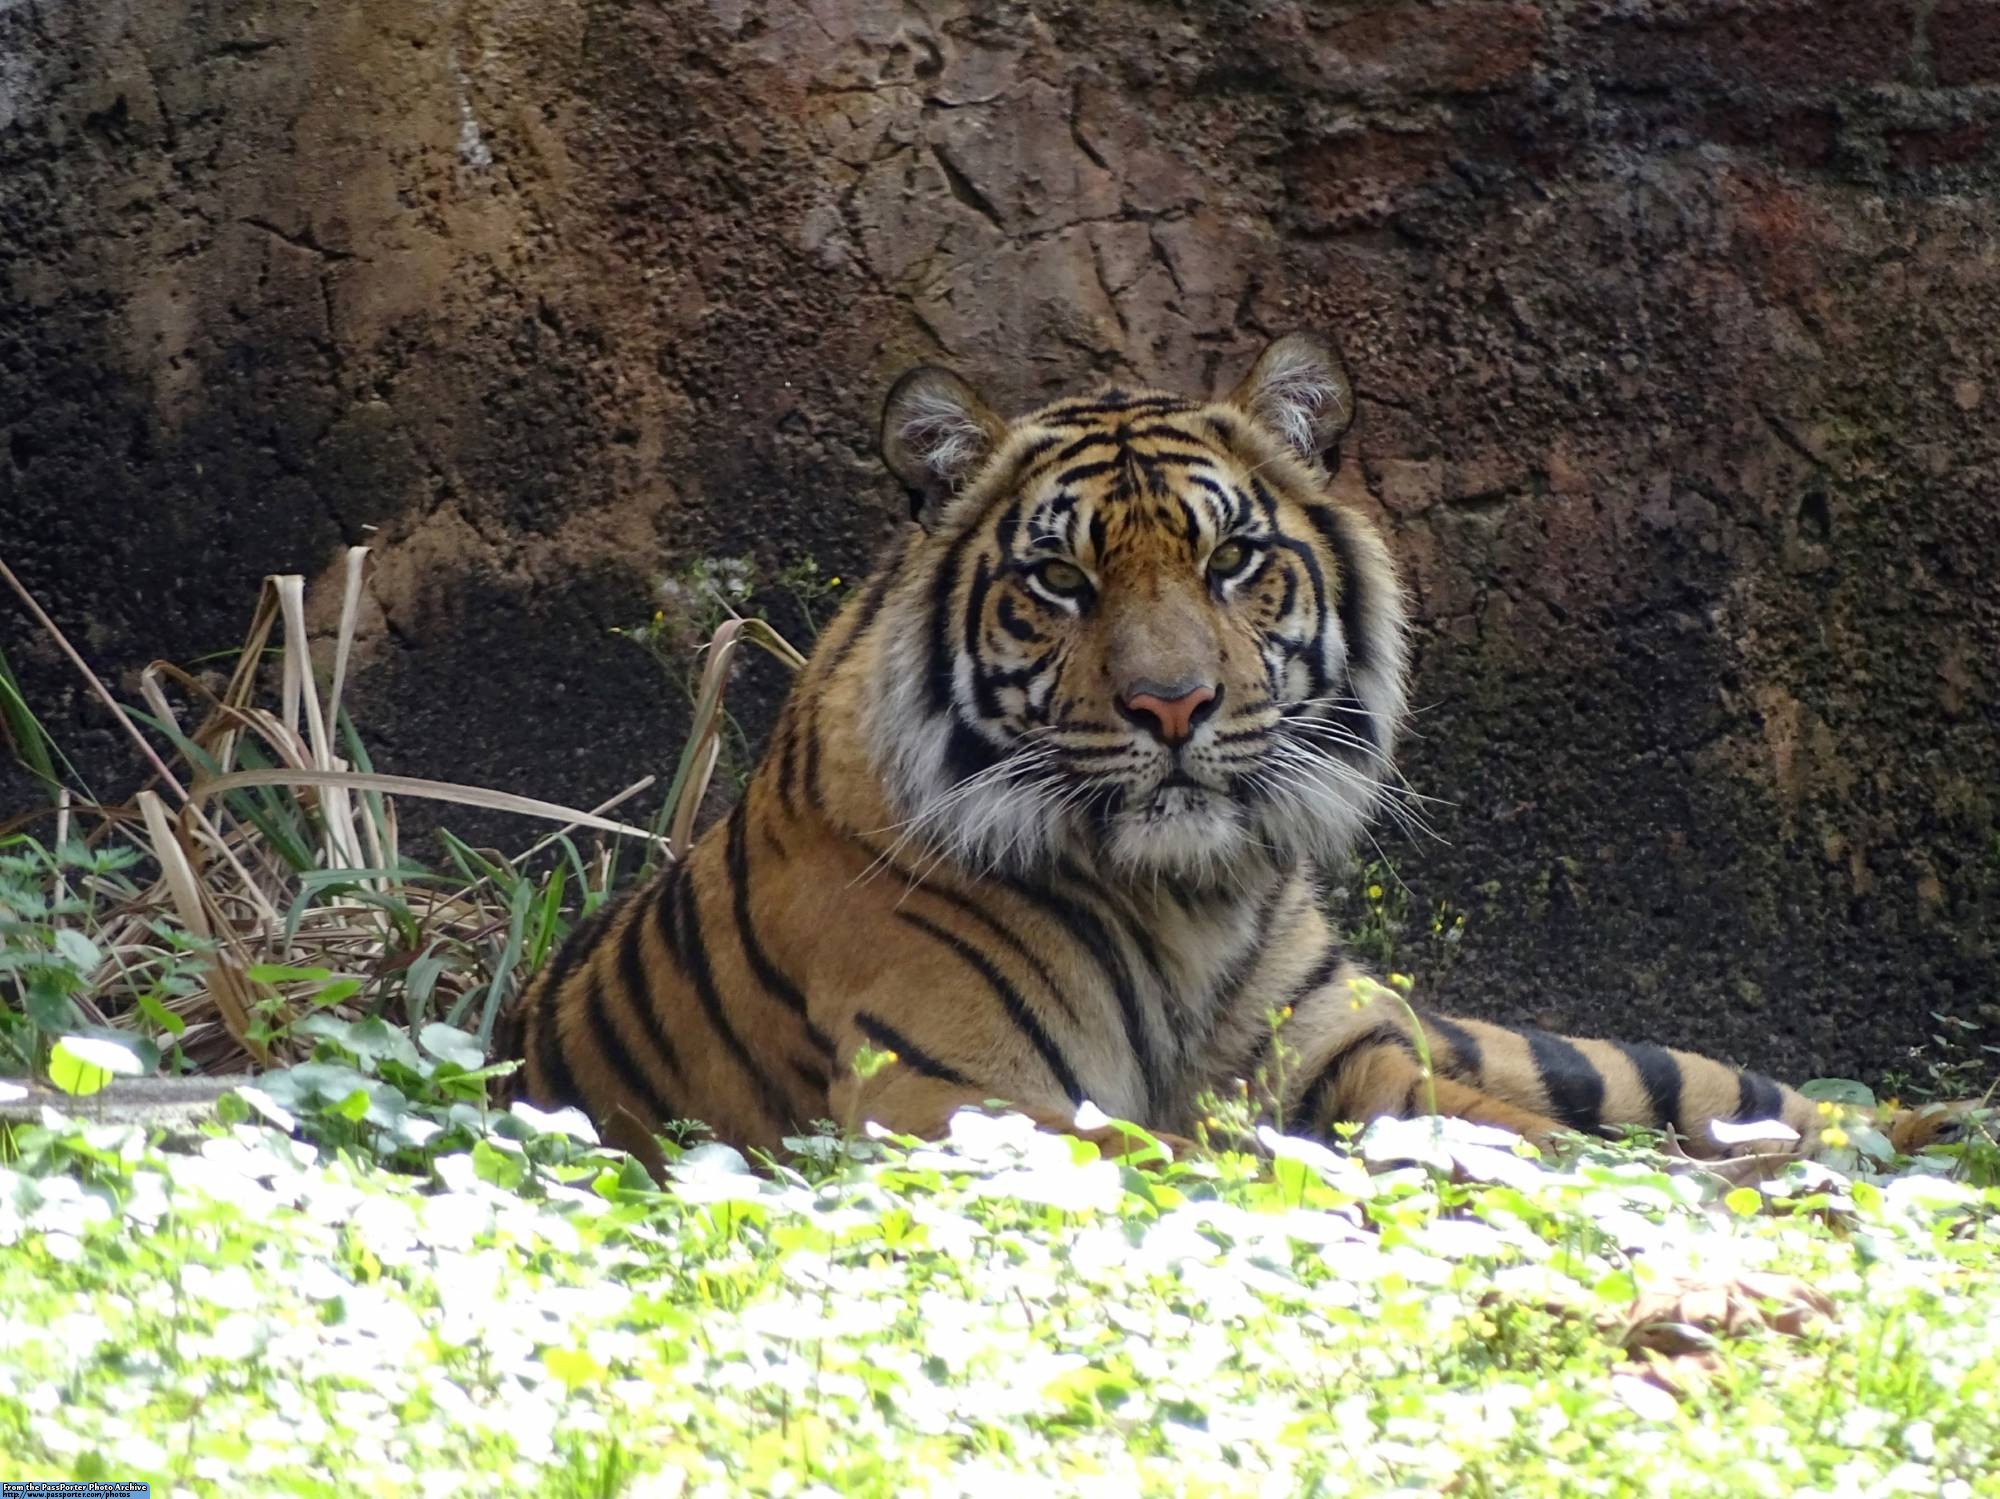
point(518, 1313)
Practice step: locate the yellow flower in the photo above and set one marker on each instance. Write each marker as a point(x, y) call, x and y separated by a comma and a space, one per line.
point(833, 582)
point(1826, 1108)
point(1374, 892)
point(1285, 1013)
point(659, 616)
point(1833, 1135)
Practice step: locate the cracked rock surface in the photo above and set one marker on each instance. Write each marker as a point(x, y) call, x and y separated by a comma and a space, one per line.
point(1671, 323)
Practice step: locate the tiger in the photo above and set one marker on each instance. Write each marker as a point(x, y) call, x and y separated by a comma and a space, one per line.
point(1046, 818)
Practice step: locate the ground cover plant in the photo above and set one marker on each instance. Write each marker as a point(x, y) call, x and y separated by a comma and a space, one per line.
point(359, 1276)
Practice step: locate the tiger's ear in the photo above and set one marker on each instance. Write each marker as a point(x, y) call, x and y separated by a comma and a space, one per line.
point(935, 434)
point(1299, 389)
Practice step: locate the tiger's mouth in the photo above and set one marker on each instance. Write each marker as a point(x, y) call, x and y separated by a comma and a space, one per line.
point(1180, 794)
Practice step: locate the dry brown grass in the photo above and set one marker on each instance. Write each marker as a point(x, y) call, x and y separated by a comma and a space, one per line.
point(270, 870)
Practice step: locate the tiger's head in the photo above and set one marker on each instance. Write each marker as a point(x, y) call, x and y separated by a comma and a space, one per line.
point(1136, 628)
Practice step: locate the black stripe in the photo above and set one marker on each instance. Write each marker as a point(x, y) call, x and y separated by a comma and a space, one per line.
point(1234, 508)
point(1314, 1099)
point(938, 627)
point(633, 975)
point(1109, 403)
point(788, 747)
point(865, 611)
point(1085, 443)
point(561, 1088)
point(618, 1056)
point(973, 912)
point(985, 697)
point(809, 727)
point(1158, 458)
point(1010, 999)
point(1237, 972)
point(1660, 1076)
point(1348, 713)
point(1574, 1088)
point(1032, 453)
point(1757, 1097)
point(1106, 806)
point(1094, 751)
point(813, 1075)
point(693, 953)
point(908, 1053)
point(666, 911)
point(1467, 1060)
point(1317, 977)
point(1332, 527)
point(966, 754)
point(1320, 974)
point(1289, 595)
point(549, 1056)
point(1191, 519)
point(1239, 736)
point(577, 945)
point(1083, 471)
point(773, 978)
point(990, 682)
point(1009, 617)
point(1091, 933)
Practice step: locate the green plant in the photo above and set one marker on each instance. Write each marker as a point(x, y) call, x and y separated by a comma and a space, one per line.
point(700, 605)
point(1371, 908)
point(67, 971)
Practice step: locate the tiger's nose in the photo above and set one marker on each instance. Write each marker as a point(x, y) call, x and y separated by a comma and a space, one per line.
point(1169, 714)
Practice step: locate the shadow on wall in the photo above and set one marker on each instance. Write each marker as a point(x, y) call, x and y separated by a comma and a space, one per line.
point(1670, 327)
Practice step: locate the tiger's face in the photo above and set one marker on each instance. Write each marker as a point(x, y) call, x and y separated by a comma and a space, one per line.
point(1137, 629)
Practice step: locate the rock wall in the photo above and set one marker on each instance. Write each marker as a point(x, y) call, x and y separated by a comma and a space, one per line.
point(1672, 322)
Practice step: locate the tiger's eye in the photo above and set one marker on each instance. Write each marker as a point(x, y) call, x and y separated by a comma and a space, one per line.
point(1062, 577)
point(1227, 558)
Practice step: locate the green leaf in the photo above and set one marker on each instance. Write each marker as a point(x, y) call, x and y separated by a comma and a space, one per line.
point(160, 1015)
point(498, 1167)
point(421, 981)
point(352, 1108)
point(1619, 1286)
point(572, 1366)
point(1744, 1201)
point(49, 1005)
point(278, 973)
point(1839, 1090)
point(1873, 1144)
point(338, 990)
point(78, 951)
point(1867, 1197)
point(450, 1044)
point(83, 1065)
